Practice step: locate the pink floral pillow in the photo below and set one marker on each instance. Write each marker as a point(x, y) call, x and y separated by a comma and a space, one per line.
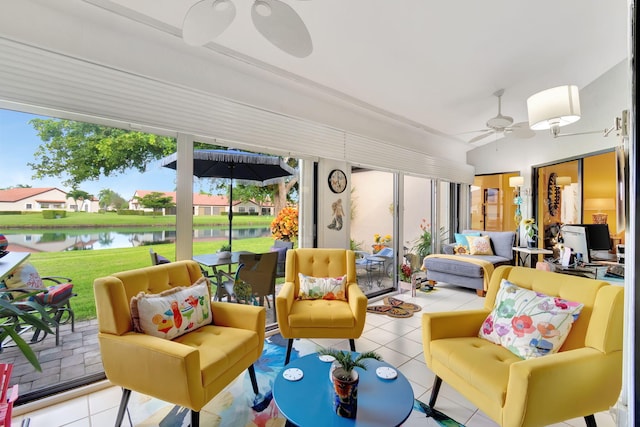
point(174, 312)
point(528, 323)
point(480, 245)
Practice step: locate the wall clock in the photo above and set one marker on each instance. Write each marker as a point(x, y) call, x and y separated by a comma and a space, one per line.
point(553, 194)
point(337, 181)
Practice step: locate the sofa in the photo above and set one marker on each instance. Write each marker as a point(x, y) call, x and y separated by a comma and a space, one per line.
point(471, 271)
point(581, 376)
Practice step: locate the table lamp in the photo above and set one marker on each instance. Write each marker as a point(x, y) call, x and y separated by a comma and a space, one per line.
point(600, 205)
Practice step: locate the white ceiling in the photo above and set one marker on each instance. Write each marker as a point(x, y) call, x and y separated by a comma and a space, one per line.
point(433, 62)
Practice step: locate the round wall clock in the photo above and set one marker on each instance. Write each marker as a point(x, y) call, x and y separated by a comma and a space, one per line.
point(553, 194)
point(337, 181)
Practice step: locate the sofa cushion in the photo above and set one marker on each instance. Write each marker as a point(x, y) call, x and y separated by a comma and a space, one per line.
point(528, 323)
point(328, 288)
point(479, 245)
point(173, 312)
point(461, 268)
point(461, 238)
point(501, 242)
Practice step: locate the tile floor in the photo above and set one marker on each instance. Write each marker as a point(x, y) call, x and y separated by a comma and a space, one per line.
point(397, 340)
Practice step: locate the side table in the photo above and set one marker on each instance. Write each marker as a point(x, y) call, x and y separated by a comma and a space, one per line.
point(523, 254)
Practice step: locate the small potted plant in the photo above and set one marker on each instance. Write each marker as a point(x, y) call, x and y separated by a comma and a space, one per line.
point(225, 251)
point(345, 379)
point(531, 231)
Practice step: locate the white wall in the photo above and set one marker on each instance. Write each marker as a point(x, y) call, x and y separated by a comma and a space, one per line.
point(336, 236)
point(600, 102)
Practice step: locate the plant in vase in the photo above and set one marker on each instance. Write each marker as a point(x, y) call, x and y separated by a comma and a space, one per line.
point(225, 251)
point(531, 231)
point(405, 272)
point(380, 242)
point(422, 245)
point(345, 379)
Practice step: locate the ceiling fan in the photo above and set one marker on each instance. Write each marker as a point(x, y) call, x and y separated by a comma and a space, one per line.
point(502, 124)
point(274, 19)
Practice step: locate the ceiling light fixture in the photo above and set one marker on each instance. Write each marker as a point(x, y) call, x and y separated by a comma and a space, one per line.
point(560, 106)
point(275, 20)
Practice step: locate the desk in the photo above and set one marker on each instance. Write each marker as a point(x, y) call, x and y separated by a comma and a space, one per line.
point(10, 261)
point(523, 254)
point(309, 401)
point(213, 261)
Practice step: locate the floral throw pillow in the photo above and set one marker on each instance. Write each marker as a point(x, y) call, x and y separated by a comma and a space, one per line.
point(329, 288)
point(528, 323)
point(480, 245)
point(173, 312)
point(460, 250)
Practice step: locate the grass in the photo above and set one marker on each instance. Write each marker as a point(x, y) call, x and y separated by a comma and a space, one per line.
point(85, 266)
point(111, 219)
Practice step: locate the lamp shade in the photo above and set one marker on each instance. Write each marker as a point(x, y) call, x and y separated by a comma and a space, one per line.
point(516, 181)
point(563, 180)
point(555, 107)
point(599, 205)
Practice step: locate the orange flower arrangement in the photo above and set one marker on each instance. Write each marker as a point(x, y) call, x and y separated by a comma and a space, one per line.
point(285, 225)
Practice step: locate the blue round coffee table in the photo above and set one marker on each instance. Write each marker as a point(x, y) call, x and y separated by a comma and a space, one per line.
point(308, 402)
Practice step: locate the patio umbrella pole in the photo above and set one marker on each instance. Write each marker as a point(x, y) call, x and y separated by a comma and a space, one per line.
point(231, 206)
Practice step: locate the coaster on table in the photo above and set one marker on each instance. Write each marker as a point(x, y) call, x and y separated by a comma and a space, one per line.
point(326, 358)
point(292, 374)
point(386, 373)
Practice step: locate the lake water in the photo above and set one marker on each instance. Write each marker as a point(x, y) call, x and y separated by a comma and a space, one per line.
point(95, 239)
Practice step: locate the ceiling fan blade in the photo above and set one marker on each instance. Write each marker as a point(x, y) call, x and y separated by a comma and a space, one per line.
point(479, 137)
point(474, 131)
point(522, 130)
point(206, 20)
point(282, 26)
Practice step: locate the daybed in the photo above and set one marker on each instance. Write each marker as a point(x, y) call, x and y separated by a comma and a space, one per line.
point(471, 271)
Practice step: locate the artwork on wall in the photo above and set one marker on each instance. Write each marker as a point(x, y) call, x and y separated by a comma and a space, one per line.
point(338, 213)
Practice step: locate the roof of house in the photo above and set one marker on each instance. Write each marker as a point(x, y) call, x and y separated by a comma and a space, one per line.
point(17, 194)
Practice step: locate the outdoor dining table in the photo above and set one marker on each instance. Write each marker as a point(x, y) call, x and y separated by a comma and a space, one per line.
point(214, 261)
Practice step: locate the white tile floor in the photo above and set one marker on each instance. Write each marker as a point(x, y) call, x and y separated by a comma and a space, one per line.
point(399, 341)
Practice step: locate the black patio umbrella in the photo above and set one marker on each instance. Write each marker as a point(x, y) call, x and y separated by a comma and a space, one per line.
point(249, 168)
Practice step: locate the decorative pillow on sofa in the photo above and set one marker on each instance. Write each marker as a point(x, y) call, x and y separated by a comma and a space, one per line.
point(528, 323)
point(173, 312)
point(461, 239)
point(480, 245)
point(460, 250)
point(322, 287)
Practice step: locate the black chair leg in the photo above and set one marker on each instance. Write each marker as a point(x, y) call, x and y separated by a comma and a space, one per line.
point(195, 418)
point(289, 347)
point(254, 381)
point(437, 382)
point(590, 420)
point(352, 344)
point(126, 394)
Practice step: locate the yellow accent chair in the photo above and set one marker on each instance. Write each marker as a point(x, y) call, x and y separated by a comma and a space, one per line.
point(189, 370)
point(320, 318)
point(583, 378)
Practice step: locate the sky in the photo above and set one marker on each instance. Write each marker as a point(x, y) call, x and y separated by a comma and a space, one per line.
point(19, 141)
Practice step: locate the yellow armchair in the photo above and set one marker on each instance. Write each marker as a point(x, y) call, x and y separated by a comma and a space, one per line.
point(197, 365)
point(320, 318)
point(583, 378)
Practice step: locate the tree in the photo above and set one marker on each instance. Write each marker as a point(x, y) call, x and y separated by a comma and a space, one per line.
point(76, 195)
point(77, 152)
point(156, 201)
point(110, 199)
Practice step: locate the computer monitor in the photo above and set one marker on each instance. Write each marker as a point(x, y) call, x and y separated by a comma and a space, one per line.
point(598, 238)
point(575, 237)
point(598, 241)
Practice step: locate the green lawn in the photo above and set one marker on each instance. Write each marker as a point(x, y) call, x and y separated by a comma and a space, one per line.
point(84, 219)
point(84, 266)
